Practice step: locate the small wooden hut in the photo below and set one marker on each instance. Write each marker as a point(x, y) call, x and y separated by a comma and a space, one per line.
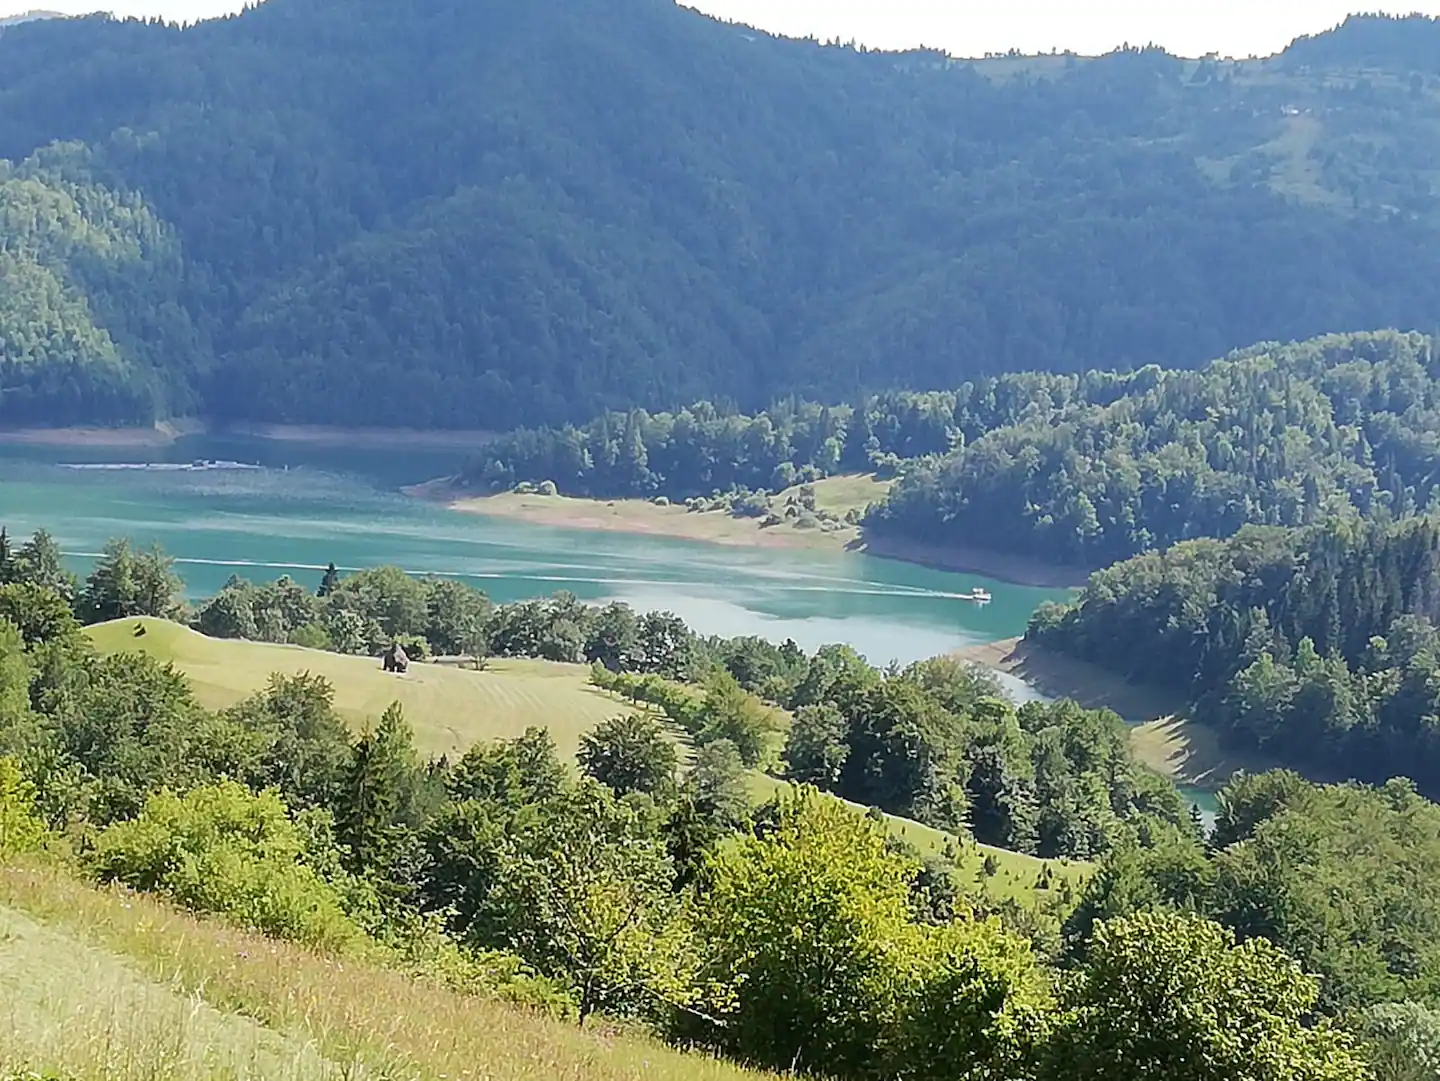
point(395, 659)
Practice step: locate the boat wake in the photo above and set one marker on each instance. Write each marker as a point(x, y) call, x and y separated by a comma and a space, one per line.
point(163, 467)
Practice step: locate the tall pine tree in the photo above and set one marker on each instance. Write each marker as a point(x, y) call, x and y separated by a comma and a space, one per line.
point(372, 813)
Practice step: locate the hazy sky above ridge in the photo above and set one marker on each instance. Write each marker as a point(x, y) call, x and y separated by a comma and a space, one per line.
point(962, 27)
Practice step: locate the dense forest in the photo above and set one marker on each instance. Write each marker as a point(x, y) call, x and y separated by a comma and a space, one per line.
point(794, 934)
point(1316, 644)
point(481, 214)
point(1078, 470)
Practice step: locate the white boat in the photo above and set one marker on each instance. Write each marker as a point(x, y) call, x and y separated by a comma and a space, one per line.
point(981, 596)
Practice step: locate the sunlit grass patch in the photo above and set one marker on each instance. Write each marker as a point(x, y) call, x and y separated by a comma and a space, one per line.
point(450, 708)
point(371, 1021)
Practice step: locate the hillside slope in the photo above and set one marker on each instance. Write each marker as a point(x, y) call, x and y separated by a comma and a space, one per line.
point(102, 984)
point(443, 213)
point(450, 709)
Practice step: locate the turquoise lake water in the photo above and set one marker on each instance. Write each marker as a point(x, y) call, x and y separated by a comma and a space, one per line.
point(306, 506)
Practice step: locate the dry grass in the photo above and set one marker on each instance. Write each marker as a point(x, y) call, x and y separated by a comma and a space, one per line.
point(642, 518)
point(68, 1008)
point(450, 708)
point(639, 516)
point(308, 1016)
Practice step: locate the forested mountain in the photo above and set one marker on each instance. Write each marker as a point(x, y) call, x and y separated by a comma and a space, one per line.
point(481, 214)
point(1105, 467)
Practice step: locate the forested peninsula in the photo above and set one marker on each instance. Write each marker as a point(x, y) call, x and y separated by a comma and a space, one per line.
point(474, 215)
point(1069, 471)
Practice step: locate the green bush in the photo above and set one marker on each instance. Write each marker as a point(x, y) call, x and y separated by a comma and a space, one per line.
point(418, 945)
point(311, 636)
point(415, 647)
point(20, 827)
point(222, 849)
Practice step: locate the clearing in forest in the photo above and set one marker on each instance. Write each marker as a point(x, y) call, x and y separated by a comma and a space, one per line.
point(450, 708)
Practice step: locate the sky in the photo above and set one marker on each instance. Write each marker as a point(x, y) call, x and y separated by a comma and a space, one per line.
point(961, 27)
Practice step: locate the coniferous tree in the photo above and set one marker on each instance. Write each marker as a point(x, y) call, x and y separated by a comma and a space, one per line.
point(375, 799)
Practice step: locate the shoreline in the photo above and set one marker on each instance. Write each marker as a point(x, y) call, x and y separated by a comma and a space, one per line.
point(639, 517)
point(634, 517)
point(164, 434)
point(330, 435)
point(1161, 736)
point(167, 433)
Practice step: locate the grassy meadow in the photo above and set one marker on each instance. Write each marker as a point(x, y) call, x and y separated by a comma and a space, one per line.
point(106, 985)
point(450, 708)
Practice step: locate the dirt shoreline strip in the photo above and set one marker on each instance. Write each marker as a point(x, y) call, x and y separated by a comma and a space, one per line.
point(1161, 736)
point(642, 518)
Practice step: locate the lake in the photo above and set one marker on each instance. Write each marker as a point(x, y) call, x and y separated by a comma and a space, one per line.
point(307, 506)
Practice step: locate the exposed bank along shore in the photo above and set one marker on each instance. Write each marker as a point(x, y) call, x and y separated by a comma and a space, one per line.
point(643, 518)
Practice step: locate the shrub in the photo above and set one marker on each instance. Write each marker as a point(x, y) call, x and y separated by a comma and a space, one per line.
point(311, 636)
point(419, 946)
point(415, 647)
point(20, 827)
point(547, 487)
point(755, 505)
point(661, 501)
point(224, 850)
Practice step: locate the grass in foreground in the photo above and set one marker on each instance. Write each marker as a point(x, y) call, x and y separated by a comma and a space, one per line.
point(450, 708)
point(74, 1010)
point(107, 984)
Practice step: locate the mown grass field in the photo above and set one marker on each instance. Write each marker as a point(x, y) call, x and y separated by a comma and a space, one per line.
point(102, 985)
point(450, 708)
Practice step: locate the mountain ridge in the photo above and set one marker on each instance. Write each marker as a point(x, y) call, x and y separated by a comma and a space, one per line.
point(501, 215)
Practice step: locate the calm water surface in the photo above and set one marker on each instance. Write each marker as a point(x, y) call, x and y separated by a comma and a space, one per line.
point(310, 506)
point(307, 506)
